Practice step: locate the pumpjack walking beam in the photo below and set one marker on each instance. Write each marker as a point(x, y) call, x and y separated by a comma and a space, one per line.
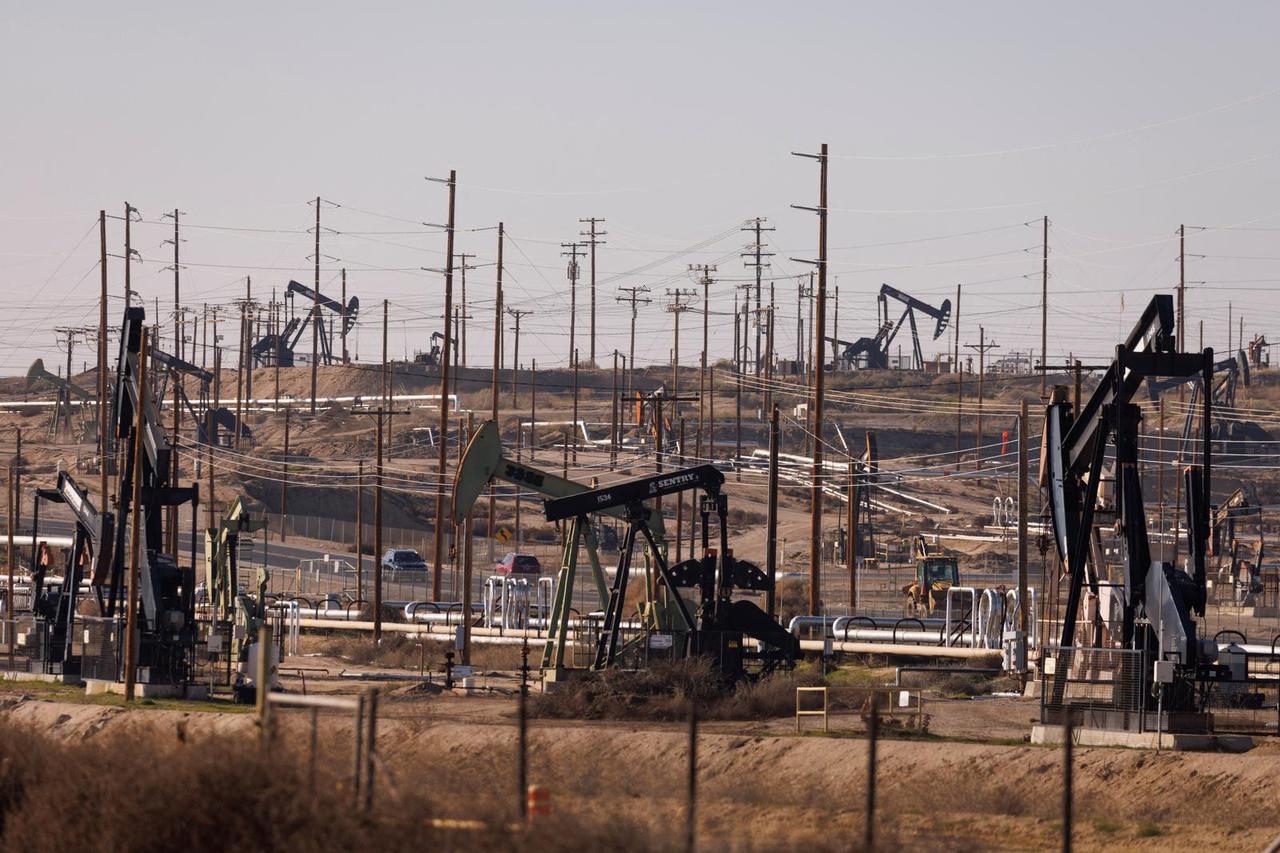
point(941, 316)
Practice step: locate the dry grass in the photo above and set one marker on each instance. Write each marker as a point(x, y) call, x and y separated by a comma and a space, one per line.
point(665, 691)
point(398, 651)
point(223, 794)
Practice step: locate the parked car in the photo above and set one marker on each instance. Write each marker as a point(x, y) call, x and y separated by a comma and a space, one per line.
point(519, 564)
point(403, 560)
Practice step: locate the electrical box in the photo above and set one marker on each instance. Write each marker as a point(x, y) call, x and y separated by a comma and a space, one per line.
point(1162, 672)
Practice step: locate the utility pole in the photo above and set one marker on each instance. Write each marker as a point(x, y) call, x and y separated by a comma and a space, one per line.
point(635, 297)
point(441, 443)
point(129, 212)
point(959, 368)
point(982, 346)
point(177, 289)
point(135, 505)
point(815, 529)
point(493, 394)
point(593, 239)
point(463, 315)
point(1044, 312)
point(343, 327)
point(1022, 517)
point(574, 252)
point(851, 536)
point(103, 440)
point(315, 313)
point(677, 306)
point(515, 360)
point(771, 518)
point(360, 534)
point(756, 253)
point(704, 278)
point(284, 479)
point(1182, 286)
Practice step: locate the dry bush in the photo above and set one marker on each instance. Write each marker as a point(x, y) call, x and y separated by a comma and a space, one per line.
point(402, 651)
point(224, 794)
point(792, 599)
point(663, 691)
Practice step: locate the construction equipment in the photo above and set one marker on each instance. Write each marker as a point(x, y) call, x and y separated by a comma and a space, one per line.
point(88, 558)
point(721, 622)
point(236, 614)
point(431, 358)
point(873, 353)
point(935, 574)
point(66, 390)
point(204, 409)
point(277, 348)
point(482, 463)
point(1155, 601)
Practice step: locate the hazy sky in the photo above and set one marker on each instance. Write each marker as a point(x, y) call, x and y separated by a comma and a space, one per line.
point(674, 122)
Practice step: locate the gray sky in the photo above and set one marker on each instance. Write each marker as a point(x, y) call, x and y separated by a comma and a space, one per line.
point(1118, 121)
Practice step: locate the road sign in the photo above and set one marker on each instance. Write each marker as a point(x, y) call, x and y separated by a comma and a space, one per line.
point(503, 535)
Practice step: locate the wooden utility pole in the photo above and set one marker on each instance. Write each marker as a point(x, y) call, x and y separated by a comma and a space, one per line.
point(464, 308)
point(493, 395)
point(817, 330)
point(677, 306)
point(135, 528)
point(959, 379)
point(441, 442)
point(1022, 517)
point(129, 211)
point(574, 354)
point(10, 628)
point(515, 356)
point(104, 440)
point(704, 272)
point(360, 533)
point(635, 297)
point(771, 516)
point(1182, 285)
point(593, 239)
point(851, 538)
point(284, 480)
point(613, 417)
point(756, 253)
point(315, 314)
point(1044, 311)
point(342, 328)
point(768, 353)
point(574, 252)
point(982, 346)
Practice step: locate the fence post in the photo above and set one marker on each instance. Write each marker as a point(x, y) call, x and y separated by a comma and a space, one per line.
point(311, 761)
point(262, 686)
point(691, 808)
point(358, 753)
point(1067, 737)
point(522, 766)
point(873, 732)
point(370, 747)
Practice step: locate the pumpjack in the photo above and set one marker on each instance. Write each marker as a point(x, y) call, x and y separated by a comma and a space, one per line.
point(237, 615)
point(165, 623)
point(66, 390)
point(166, 589)
point(1230, 374)
point(482, 463)
point(873, 352)
point(1156, 602)
point(88, 558)
point(431, 358)
point(277, 348)
point(205, 412)
point(718, 629)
